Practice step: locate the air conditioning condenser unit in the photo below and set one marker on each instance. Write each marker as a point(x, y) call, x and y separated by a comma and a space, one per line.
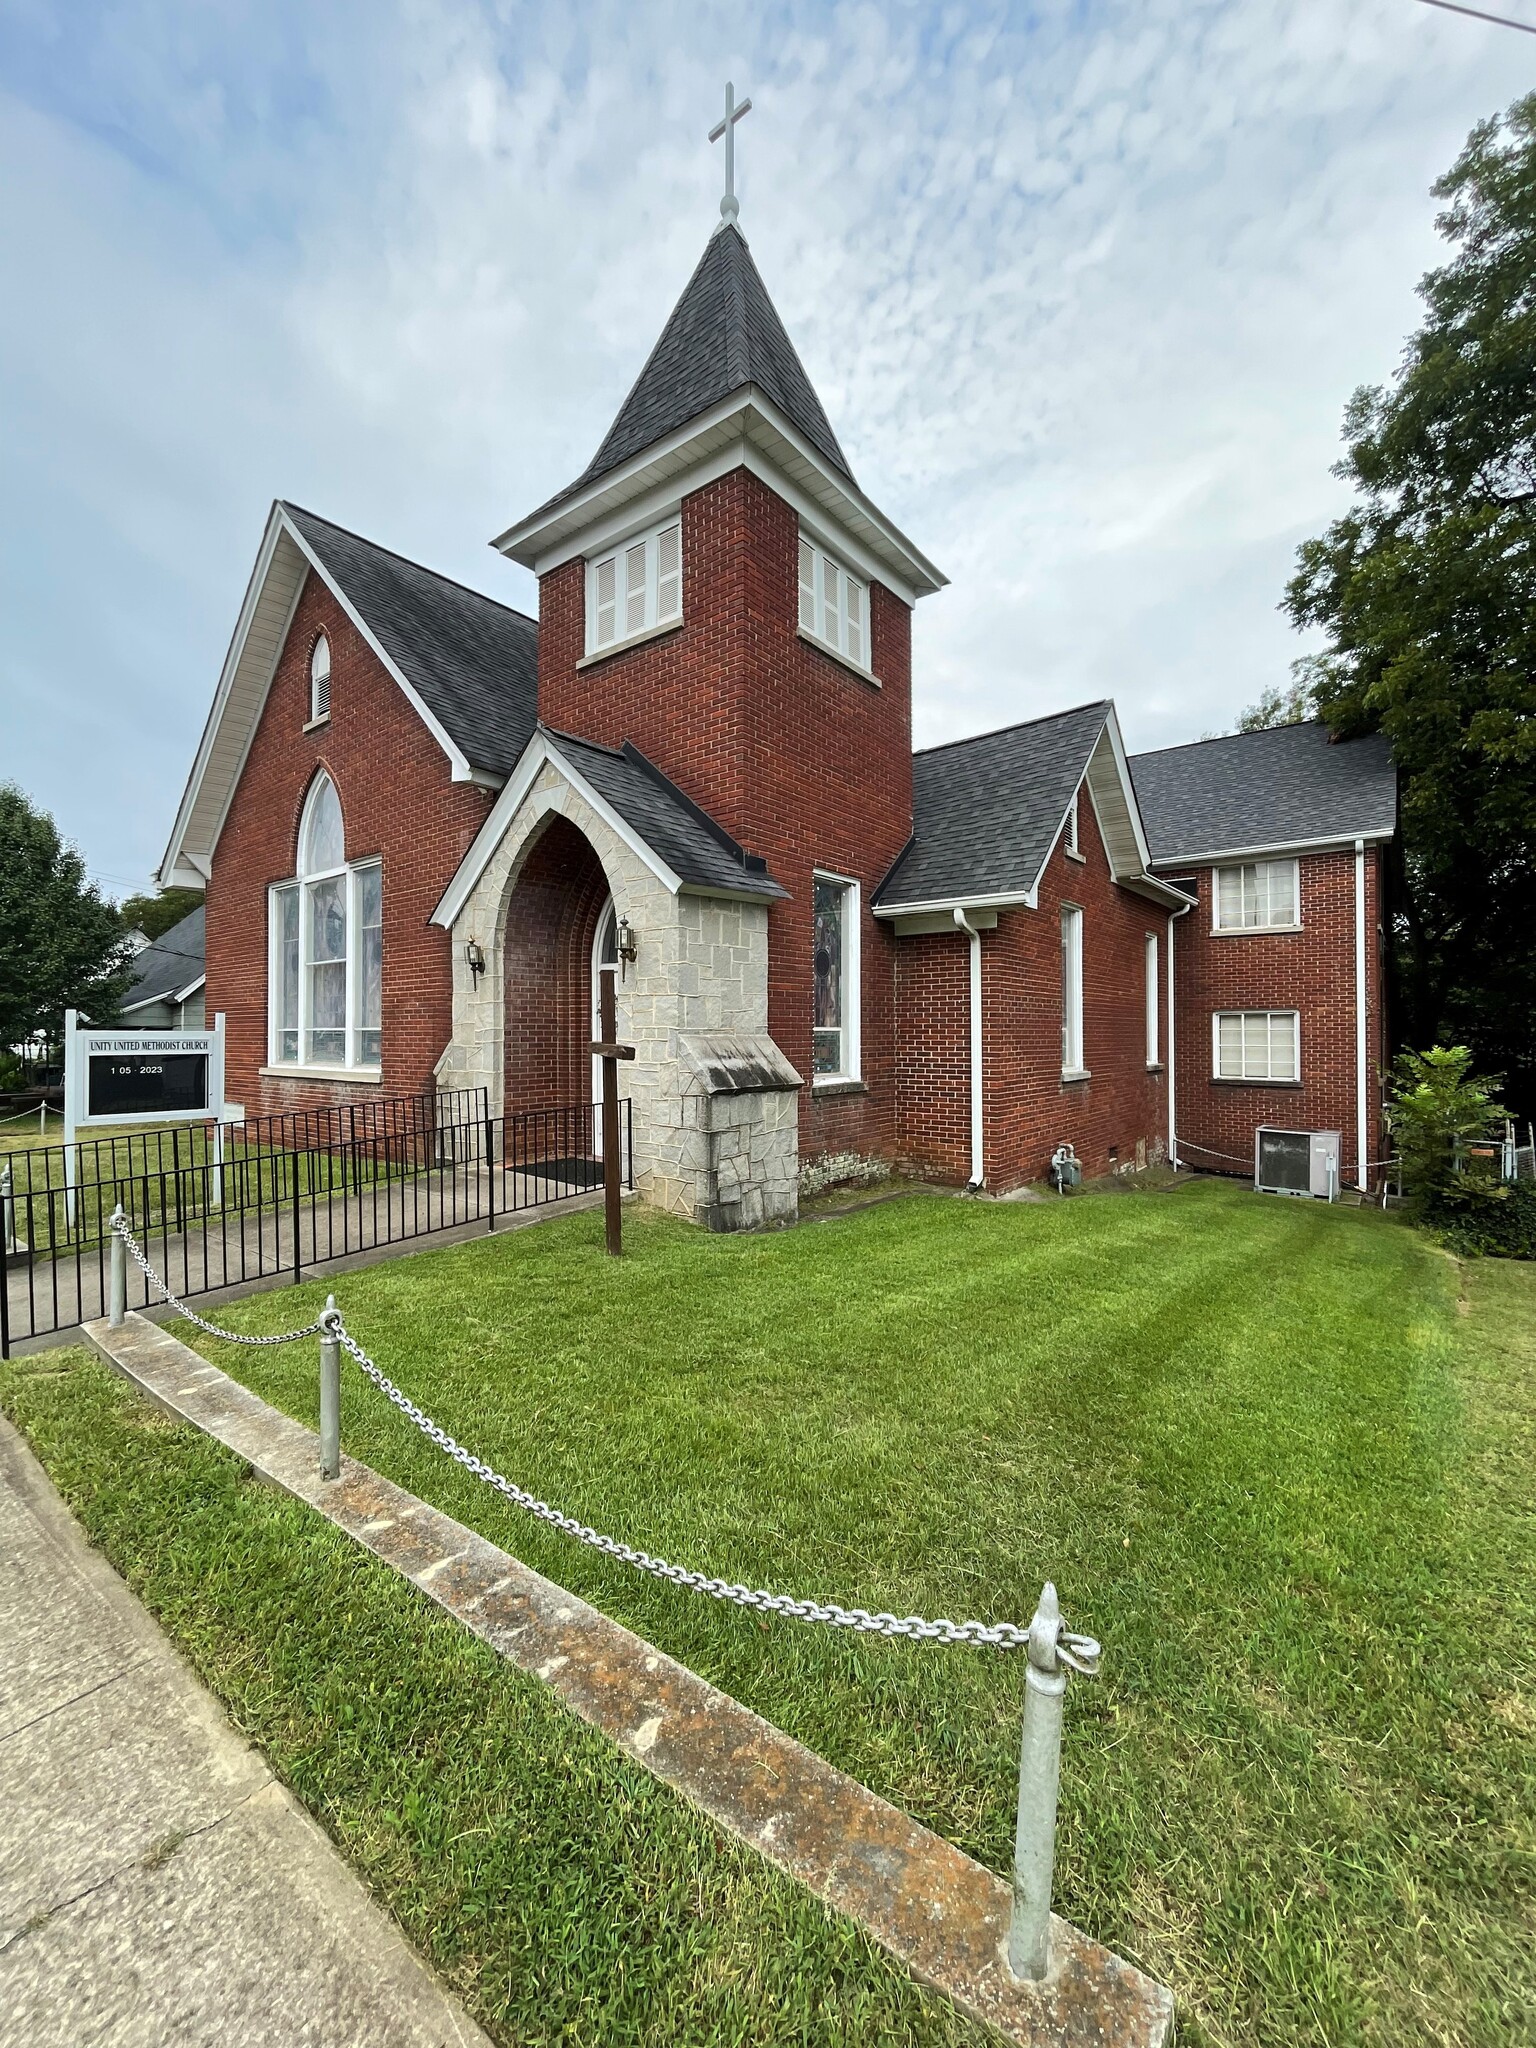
point(1296, 1162)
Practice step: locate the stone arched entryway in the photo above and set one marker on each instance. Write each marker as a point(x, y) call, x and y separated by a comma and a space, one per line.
point(547, 948)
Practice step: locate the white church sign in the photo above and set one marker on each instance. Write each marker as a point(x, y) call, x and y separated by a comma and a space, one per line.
point(141, 1077)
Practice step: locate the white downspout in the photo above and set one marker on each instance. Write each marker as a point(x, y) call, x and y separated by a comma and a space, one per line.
point(978, 1157)
point(1362, 1144)
point(1173, 1048)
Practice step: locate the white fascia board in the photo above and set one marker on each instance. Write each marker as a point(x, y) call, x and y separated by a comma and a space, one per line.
point(636, 515)
point(175, 854)
point(1010, 899)
point(191, 988)
point(549, 537)
point(1123, 770)
point(461, 771)
point(833, 535)
point(1334, 843)
point(540, 750)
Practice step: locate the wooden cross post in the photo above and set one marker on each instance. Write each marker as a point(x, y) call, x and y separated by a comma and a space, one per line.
point(610, 1054)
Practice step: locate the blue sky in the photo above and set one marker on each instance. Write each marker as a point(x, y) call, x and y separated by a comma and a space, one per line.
point(1084, 288)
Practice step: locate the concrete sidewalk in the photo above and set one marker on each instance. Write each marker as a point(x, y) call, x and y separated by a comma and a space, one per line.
point(156, 1883)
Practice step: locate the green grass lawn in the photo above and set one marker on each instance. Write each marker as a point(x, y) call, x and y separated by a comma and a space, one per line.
point(1277, 1456)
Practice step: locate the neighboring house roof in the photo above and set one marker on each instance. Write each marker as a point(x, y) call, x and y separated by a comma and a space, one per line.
point(723, 335)
point(466, 664)
point(474, 662)
point(986, 811)
point(1286, 786)
point(171, 967)
point(676, 838)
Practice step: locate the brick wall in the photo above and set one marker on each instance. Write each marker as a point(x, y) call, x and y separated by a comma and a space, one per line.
point(550, 932)
point(1027, 1108)
point(802, 760)
point(1311, 971)
point(397, 802)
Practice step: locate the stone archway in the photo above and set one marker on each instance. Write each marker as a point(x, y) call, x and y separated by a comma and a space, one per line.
point(547, 940)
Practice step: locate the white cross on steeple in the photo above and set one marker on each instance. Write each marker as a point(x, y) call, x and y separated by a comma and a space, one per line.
point(728, 207)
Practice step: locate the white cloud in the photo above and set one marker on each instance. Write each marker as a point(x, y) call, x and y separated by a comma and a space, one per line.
point(1084, 294)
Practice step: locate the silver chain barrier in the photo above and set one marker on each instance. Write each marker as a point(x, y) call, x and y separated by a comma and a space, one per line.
point(1080, 1653)
point(119, 1224)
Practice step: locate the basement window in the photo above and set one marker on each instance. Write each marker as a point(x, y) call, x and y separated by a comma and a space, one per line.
point(636, 589)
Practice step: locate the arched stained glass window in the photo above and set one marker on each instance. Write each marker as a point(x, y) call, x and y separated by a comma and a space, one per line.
point(322, 839)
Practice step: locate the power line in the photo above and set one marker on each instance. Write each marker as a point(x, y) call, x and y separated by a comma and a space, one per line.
point(1477, 14)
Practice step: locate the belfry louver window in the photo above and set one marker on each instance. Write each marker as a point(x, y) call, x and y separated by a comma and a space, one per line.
point(833, 605)
point(636, 589)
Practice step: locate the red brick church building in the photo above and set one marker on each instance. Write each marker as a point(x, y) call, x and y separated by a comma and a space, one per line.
point(422, 818)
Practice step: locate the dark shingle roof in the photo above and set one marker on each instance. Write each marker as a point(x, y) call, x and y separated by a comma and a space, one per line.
point(701, 853)
point(1280, 787)
point(170, 963)
point(724, 333)
point(473, 662)
point(985, 811)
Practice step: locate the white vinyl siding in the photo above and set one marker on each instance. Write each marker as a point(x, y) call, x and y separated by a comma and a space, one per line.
point(834, 606)
point(1071, 990)
point(325, 949)
point(1257, 1045)
point(636, 589)
point(1152, 1001)
point(1257, 895)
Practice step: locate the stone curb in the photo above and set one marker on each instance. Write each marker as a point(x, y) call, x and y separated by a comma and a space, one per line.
point(936, 1910)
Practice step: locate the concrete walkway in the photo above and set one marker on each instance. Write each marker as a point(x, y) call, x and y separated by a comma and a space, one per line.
point(156, 1883)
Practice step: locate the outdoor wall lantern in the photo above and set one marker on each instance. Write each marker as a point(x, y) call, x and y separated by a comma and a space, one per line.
point(476, 958)
point(626, 942)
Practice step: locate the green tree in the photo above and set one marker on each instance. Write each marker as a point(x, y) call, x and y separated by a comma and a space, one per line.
point(1281, 707)
point(1427, 590)
point(153, 915)
point(1436, 1108)
point(61, 945)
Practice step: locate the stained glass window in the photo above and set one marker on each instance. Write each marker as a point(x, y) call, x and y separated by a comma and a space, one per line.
point(832, 995)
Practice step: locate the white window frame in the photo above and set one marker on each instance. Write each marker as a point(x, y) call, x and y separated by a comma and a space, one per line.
point(1269, 1079)
point(1072, 1051)
point(1154, 1007)
point(852, 1050)
point(659, 608)
point(829, 572)
point(320, 681)
point(352, 874)
point(1262, 870)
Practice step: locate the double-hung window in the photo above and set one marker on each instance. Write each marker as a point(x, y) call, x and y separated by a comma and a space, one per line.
point(1071, 990)
point(1257, 1045)
point(325, 937)
point(1257, 895)
point(636, 589)
point(834, 606)
point(834, 979)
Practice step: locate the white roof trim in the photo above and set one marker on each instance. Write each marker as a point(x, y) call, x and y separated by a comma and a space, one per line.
point(541, 750)
point(282, 561)
point(1010, 899)
point(748, 412)
point(166, 995)
point(1336, 842)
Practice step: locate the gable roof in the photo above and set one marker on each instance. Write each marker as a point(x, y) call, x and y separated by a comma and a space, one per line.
point(473, 662)
point(170, 967)
point(723, 334)
point(1289, 785)
point(466, 664)
point(682, 845)
point(986, 811)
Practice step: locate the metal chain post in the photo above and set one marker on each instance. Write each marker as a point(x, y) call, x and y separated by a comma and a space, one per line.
point(330, 1393)
point(117, 1290)
point(1053, 1652)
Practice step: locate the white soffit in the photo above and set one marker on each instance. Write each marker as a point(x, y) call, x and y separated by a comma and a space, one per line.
point(542, 541)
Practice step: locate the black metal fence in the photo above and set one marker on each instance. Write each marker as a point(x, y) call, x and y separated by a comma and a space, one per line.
point(272, 1196)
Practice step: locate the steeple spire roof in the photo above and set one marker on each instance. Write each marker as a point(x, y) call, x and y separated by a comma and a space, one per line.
point(724, 333)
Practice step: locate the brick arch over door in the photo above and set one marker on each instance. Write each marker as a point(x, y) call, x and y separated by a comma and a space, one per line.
point(551, 923)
